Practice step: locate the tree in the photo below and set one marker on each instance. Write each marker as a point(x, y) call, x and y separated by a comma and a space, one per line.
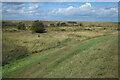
point(21, 26)
point(38, 27)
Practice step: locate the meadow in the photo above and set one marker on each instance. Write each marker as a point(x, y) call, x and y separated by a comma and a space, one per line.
point(80, 50)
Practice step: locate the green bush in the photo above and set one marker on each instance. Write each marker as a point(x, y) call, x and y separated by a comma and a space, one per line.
point(58, 24)
point(38, 27)
point(21, 26)
point(63, 24)
point(72, 22)
point(63, 30)
point(52, 25)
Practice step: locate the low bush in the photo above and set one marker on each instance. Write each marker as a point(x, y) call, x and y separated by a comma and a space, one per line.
point(8, 23)
point(63, 24)
point(72, 22)
point(52, 25)
point(63, 30)
point(81, 24)
point(21, 26)
point(38, 27)
point(58, 24)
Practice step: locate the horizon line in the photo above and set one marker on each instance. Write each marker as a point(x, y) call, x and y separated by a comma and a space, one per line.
point(57, 20)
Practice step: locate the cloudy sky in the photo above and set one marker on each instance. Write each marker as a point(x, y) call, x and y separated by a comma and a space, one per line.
point(61, 11)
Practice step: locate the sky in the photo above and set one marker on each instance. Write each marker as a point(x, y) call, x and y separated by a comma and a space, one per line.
point(61, 11)
point(60, 0)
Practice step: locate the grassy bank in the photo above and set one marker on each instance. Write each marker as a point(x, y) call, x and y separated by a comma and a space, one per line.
point(88, 51)
point(88, 59)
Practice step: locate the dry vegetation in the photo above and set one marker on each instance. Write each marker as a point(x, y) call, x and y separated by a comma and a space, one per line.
point(57, 47)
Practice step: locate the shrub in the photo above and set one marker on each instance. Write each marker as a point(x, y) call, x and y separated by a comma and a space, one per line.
point(52, 25)
point(92, 25)
point(81, 24)
point(3, 23)
point(21, 26)
point(58, 24)
point(38, 27)
point(63, 30)
point(63, 24)
point(9, 23)
point(38, 35)
point(72, 22)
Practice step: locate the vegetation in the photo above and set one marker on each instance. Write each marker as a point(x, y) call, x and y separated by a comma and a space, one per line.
point(21, 26)
point(72, 22)
point(62, 52)
point(7, 23)
point(12, 51)
point(70, 59)
point(63, 24)
point(81, 24)
point(38, 27)
point(58, 24)
point(52, 25)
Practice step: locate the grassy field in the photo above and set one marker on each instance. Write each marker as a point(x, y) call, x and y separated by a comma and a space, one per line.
point(88, 51)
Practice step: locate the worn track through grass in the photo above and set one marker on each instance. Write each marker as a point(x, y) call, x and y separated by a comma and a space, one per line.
point(48, 65)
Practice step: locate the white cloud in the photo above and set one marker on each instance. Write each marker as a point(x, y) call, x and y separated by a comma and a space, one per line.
point(114, 9)
point(37, 13)
point(85, 5)
point(59, 10)
point(69, 13)
point(60, 0)
point(33, 6)
point(73, 11)
point(20, 9)
point(31, 12)
point(70, 7)
point(86, 10)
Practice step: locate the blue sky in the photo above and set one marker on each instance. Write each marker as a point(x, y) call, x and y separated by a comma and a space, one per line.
point(61, 11)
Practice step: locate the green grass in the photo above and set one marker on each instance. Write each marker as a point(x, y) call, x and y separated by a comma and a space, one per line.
point(92, 62)
point(89, 51)
point(12, 51)
point(45, 66)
